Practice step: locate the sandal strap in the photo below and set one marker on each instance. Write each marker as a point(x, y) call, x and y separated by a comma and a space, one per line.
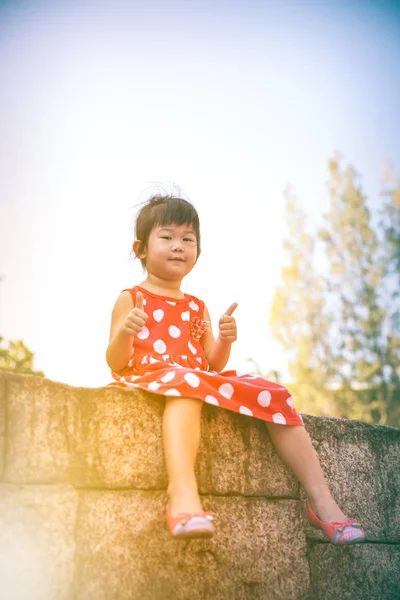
point(185, 517)
point(340, 526)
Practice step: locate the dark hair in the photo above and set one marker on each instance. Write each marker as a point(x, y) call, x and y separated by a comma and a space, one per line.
point(165, 210)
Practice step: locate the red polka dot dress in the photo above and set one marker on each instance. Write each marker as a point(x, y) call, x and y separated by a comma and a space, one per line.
point(168, 359)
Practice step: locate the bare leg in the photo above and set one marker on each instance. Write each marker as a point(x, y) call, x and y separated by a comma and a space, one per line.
point(181, 438)
point(295, 448)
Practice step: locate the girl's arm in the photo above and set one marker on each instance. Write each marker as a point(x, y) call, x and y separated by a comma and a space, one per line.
point(126, 322)
point(218, 351)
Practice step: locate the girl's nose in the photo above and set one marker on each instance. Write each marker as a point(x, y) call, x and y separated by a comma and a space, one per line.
point(177, 247)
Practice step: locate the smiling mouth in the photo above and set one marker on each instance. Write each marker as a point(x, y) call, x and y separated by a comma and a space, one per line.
point(178, 259)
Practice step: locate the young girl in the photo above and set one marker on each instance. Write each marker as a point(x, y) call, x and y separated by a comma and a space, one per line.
point(161, 341)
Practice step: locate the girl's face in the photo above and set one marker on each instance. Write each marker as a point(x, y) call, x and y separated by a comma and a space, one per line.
point(171, 251)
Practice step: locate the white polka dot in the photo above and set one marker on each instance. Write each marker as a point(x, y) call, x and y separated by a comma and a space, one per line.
point(158, 314)
point(226, 390)
point(153, 386)
point(168, 377)
point(171, 303)
point(174, 331)
point(165, 356)
point(144, 360)
point(122, 379)
point(143, 333)
point(153, 360)
point(200, 360)
point(185, 315)
point(245, 411)
point(279, 418)
point(193, 305)
point(134, 377)
point(159, 346)
point(192, 348)
point(184, 356)
point(211, 400)
point(197, 369)
point(172, 392)
point(264, 398)
point(130, 363)
point(290, 401)
point(144, 301)
point(192, 380)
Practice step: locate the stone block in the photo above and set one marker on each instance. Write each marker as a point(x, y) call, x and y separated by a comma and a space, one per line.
point(361, 465)
point(124, 551)
point(236, 457)
point(106, 437)
point(359, 572)
point(39, 430)
point(37, 542)
point(112, 438)
point(118, 440)
point(119, 445)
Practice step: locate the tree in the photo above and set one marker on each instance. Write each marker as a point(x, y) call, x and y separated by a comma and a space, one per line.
point(357, 270)
point(300, 319)
point(15, 356)
point(390, 243)
point(341, 331)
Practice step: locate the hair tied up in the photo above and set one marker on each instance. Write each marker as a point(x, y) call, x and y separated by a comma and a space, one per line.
point(157, 200)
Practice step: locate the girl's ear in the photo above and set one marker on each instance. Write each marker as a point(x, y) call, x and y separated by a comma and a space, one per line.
point(136, 246)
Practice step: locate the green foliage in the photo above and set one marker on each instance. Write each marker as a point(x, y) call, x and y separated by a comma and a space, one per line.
point(390, 233)
point(390, 224)
point(341, 330)
point(350, 242)
point(15, 356)
point(300, 318)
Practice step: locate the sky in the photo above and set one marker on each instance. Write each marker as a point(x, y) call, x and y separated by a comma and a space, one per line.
point(230, 101)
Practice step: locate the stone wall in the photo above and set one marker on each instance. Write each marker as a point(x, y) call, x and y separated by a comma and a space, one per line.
point(82, 504)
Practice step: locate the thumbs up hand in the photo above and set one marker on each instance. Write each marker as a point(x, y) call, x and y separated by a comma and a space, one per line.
point(227, 325)
point(136, 318)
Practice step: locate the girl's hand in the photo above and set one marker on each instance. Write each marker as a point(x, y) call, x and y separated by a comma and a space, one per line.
point(136, 317)
point(227, 325)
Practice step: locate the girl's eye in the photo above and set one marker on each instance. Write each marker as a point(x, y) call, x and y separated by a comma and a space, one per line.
point(188, 240)
point(165, 237)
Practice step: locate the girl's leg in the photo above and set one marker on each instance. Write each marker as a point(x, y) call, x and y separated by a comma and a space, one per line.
point(294, 446)
point(181, 438)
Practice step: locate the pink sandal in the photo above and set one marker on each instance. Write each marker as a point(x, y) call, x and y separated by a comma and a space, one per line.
point(344, 532)
point(190, 526)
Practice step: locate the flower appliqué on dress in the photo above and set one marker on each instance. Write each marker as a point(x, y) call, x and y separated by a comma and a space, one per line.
point(198, 327)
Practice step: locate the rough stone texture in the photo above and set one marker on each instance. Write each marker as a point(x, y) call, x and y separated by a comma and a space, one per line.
point(37, 542)
point(118, 441)
point(236, 456)
point(359, 572)
point(111, 438)
point(361, 464)
point(39, 417)
point(126, 553)
point(105, 437)
point(2, 423)
point(119, 445)
point(108, 442)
